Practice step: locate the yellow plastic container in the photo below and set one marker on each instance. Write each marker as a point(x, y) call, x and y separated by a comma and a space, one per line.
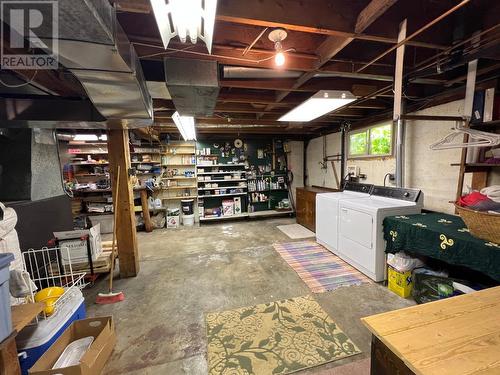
point(49, 296)
point(400, 283)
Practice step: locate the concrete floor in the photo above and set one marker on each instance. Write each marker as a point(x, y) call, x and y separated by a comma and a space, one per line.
point(186, 273)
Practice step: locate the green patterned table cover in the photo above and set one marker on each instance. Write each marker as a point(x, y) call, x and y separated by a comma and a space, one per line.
point(444, 237)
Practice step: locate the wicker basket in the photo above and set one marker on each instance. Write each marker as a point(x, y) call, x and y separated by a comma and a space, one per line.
point(481, 224)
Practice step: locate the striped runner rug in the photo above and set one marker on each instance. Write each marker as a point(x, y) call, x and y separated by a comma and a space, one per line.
point(321, 270)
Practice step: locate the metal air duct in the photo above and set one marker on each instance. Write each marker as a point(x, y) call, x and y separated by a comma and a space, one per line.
point(193, 85)
point(93, 46)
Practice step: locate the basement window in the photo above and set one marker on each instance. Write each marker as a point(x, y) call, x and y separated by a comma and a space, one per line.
point(371, 142)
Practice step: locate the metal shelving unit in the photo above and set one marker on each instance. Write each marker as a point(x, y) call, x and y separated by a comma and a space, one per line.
point(210, 181)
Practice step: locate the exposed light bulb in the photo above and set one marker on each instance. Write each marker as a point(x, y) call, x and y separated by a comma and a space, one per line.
point(279, 59)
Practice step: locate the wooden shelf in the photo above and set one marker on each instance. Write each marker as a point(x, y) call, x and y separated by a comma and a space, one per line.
point(227, 217)
point(224, 187)
point(144, 162)
point(227, 172)
point(178, 178)
point(270, 213)
point(179, 187)
point(23, 314)
point(177, 165)
point(266, 176)
point(89, 164)
point(221, 165)
point(93, 213)
point(179, 198)
point(179, 153)
point(88, 153)
point(236, 179)
point(221, 195)
point(91, 175)
point(83, 143)
point(92, 191)
point(139, 209)
point(477, 167)
point(485, 124)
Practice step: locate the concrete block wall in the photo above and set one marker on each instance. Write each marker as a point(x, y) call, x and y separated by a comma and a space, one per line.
point(315, 175)
point(425, 169)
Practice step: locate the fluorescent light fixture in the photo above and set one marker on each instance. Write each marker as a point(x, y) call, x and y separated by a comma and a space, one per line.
point(103, 137)
point(191, 19)
point(321, 103)
point(85, 137)
point(185, 124)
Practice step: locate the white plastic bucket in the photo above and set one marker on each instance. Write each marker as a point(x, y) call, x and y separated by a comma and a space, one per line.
point(188, 220)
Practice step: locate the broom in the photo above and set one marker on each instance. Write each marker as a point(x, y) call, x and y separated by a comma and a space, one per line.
point(110, 297)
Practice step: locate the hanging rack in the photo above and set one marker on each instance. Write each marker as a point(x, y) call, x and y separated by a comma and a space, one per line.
point(477, 138)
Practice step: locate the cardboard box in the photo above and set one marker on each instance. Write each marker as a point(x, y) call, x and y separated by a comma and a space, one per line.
point(93, 361)
point(78, 247)
point(400, 283)
point(237, 205)
point(172, 221)
point(227, 207)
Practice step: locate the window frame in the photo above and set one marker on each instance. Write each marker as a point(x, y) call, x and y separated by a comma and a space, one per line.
point(368, 154)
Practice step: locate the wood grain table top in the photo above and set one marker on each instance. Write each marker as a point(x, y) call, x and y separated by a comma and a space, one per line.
point(23, 314)
point(455, 336)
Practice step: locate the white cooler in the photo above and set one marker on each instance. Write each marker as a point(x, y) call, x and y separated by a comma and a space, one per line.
point(35, 339)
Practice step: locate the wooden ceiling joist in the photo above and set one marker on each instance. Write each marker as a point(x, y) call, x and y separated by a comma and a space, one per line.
point(325, 17)
point(334, 44)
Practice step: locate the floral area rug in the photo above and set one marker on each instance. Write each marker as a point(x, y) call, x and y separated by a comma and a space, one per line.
point(274, 338)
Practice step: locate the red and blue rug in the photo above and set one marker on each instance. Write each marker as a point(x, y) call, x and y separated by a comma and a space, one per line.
point(321, 270)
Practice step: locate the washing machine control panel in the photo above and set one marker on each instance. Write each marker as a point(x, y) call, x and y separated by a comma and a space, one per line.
point(357, 187)
point(410, 195)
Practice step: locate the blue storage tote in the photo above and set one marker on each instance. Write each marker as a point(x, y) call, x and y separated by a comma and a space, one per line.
point(5, 316)
point(35, 339)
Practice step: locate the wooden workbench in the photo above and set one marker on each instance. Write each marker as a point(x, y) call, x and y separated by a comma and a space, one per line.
point(455, 336)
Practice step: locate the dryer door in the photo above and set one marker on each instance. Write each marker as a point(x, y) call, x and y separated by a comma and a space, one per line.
point(356, 245)
point(356, 226)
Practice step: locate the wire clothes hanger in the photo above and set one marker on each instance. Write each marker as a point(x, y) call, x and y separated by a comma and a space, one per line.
point(477, 138)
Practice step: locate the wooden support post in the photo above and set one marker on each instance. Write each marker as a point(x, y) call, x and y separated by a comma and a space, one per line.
point(119, 155)
point(468, 103)
point(145, 211)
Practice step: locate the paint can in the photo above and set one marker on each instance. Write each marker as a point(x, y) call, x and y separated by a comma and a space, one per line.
point(187, 206)
point(188, 220)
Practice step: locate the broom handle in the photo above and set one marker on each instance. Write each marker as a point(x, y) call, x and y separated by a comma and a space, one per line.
point(113, 243)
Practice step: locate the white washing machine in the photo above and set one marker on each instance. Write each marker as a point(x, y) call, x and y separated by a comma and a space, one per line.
point(361, 239)
point(327, 212)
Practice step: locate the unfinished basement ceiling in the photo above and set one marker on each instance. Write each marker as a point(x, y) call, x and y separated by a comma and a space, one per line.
point(322, 58)
point(329, 43)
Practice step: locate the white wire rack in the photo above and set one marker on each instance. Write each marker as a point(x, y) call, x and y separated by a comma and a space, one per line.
point(47, 269)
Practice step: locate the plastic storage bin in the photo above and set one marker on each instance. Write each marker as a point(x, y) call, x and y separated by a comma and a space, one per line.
point(35, 339)
point(5, 316)
point(400, 283)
